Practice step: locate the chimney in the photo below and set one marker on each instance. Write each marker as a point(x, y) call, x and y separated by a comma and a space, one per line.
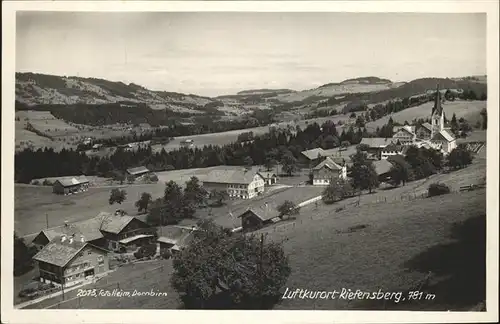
point(71, 240)
point(63, 238)
point(82, 239)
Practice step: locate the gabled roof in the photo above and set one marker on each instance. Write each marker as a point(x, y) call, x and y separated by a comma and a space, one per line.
point(72, 181)
point(378, 142)
point(314, 153)
point(176, 235)
point(408, 129)
point(267, 174)
point(236, 176)
point(133, 238)
point(60, 253)
point(137, 170)
point(444, 134)
point(265, 212)
point(328, 163)
point(382, 166)
point(115, 224)
point(427, 126)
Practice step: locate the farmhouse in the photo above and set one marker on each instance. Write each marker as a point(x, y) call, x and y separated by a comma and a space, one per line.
point(175, 237)
point(383, 168)
point(138, 172)
point(270, 178)
point(70, 185)
point(312, 156)
point(328, 170)
point(96, 147)
point(405, 134)
point(424, 131)
point(187, 143)
point(107, 231)
point(377, 144)
point(392, 149)
point(67, 261)
point(239, 183)
point(255, 218)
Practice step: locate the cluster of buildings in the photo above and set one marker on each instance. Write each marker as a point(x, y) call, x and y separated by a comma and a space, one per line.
point(332, 164)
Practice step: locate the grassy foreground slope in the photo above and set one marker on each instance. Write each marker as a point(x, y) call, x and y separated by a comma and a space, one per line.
point(324, 255)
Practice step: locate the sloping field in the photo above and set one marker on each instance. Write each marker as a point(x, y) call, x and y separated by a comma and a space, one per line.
point(32, 203)
point(45, 122)
point(325, 256)
point(467, 109)
point(333, 90)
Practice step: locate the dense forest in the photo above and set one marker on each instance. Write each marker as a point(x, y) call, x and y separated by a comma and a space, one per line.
point(265, 149)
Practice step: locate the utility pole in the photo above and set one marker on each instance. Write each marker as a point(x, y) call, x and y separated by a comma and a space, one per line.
point(47, 220)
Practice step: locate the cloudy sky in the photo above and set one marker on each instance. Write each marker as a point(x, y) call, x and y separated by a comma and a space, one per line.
point(222, 53)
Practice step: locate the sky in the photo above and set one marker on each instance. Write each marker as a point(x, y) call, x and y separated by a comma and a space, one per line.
point(222, 53)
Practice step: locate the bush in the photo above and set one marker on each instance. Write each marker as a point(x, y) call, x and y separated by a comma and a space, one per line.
point(35, 182)
point(437, 189)
point(145, 251)
point(47, 183)
point(166, 254)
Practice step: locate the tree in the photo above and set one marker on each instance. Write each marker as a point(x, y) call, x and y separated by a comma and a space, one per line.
point(360, 121)
point(118, 176)
point(288, 208)
point(194, 193)
point(363, 172)
point(218, 196)
point(454, 124)
point(330, 142)
point(336, 190)
point(362, 147)
point(22, 256)
point(459, 158)
point(289, 164)
point(171, 208)
point(143, 202)
point(248, 161)
point(484, 115)
point(130, 179)
point(221, 270)
point(400, 172)
point(117, 196)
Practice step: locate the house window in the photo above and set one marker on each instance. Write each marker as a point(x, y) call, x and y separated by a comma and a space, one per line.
point(89, 252)
point(100, 259)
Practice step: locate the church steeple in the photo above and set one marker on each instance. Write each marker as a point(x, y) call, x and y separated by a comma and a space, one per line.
point(437, 109)
point(437, 115)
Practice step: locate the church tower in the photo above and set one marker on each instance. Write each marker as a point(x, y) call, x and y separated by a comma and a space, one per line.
point(437, 115)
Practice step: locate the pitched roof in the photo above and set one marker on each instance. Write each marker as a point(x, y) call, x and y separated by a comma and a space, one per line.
point(328, 163)
point(427, 126)
point(265, 212)
point(314, 153)
point(378, 142)
point(444, 134)
point(60, 253)
point(114, 224)
point(237, 176)
point(382, 166)
point(137, 170)
point(72, 181)
point(267, 174)
point(177, 235)
point(407, 128)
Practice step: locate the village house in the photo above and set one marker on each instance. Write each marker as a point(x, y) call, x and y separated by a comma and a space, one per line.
point(392, 149)
point(67, 261)
point(327, 170)
point(70, 185)
point(270, 178)
point(240, 183)
point(138, 172)
point(96, 147)
point(115, 233)
point(383, 168)
point(404, 134)
point(174, 238)
point(187, 143)
point(377, 144)
point(257, 217)
point(424, 131)
point(312, 157)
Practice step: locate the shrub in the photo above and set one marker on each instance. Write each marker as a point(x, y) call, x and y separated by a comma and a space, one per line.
point(47, 183)
point(436, 189)
point(145, 251)
point(35, 182)
point(166, 254)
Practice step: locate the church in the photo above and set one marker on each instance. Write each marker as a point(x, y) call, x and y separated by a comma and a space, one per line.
point(433, 135)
